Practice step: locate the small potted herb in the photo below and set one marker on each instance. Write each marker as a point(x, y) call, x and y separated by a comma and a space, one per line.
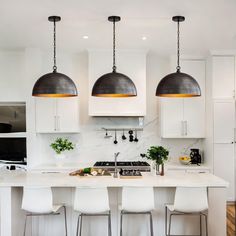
point(60, 146)
point(159, 155)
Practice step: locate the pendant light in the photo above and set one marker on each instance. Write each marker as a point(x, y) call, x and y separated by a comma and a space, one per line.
point(54, 84)
point(178, 84)
point(114, 84)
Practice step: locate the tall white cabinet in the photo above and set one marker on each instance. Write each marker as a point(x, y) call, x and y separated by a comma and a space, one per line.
point(224, 143)
point(185, 117)
point(223, 74)
point(224, 123)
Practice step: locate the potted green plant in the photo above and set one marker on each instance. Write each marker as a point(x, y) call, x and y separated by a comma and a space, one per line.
point(159, 155)
point(60, 145)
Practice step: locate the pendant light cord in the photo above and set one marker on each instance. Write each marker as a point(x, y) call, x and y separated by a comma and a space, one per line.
point(54, 47)
point(178, 50)
point(114, 47)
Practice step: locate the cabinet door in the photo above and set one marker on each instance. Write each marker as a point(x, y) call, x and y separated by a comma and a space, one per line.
point(224, 162)
point(45, 115)
point(194, 108)
point(67, 115)
point(224, 118)
point(223, 76)
point(172, 117)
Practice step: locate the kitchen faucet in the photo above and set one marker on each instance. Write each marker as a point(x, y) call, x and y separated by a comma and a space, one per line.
point(116, 154)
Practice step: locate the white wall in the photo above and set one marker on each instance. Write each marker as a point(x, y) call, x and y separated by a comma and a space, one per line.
point(91, 145)
point(12, 80)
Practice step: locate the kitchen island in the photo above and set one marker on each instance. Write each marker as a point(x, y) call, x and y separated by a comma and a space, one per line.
point(12, 217)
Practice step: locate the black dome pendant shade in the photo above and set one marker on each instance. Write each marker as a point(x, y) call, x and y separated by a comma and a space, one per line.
point(114, 84)
point(178, 84)
point(54, 84)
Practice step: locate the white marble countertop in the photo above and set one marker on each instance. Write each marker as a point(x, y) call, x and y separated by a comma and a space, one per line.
point(178, 165)
point(21, 178)
point(74, 166)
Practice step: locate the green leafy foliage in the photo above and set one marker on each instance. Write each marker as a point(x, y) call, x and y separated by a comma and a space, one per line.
point(60, 145)
point(158, 154)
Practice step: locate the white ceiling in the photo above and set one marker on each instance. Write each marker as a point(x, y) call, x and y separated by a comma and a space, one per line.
point(210, 24)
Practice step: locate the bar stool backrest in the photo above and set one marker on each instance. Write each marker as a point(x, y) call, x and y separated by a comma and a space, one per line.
point(37, 200)
point(191, 199)
point(137, 199)
point(91, 200)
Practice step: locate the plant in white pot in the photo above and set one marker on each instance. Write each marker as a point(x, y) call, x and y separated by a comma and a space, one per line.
point(60, 145)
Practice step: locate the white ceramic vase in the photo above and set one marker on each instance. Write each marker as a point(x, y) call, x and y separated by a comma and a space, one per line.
point(60, 159)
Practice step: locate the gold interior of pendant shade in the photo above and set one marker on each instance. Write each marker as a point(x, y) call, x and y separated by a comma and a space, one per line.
point(54, 95)
point(178, 95)
point(114, 95)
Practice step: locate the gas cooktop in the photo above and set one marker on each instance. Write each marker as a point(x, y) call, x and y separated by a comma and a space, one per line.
point(131, 165)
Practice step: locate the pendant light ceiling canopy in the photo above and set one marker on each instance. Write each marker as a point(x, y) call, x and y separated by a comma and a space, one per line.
point(178, 84)
point(54, 84)
point(114, 84)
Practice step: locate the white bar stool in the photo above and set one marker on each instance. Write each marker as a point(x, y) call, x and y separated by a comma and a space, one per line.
point(92, 202)
point(137, 200)
point(37, 201)
point(188, 201)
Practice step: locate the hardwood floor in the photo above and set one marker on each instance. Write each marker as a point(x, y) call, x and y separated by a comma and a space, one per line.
point(231, 220)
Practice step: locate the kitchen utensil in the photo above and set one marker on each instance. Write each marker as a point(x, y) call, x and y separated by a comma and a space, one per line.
point(115, 141)
point(136, 136)
point(195, 156)
point(131, 137)
point(123, 136)
point(106, 135)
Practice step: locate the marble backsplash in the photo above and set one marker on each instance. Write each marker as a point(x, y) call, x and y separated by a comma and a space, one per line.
point(91, 144)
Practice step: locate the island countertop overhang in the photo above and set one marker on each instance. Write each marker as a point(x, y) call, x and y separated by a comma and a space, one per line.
point(21, 179)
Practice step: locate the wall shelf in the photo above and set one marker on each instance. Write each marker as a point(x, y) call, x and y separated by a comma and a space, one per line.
point(13, 135)
point(122, 129)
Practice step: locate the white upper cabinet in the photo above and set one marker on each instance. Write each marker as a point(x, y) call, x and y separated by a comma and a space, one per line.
point(224, 121)
point(185, 117)
point(45, 110)
point(172, 117)
point(57, 115)
point(223, 76)
point(194, 108)
point(68, 115)
point(130, 63)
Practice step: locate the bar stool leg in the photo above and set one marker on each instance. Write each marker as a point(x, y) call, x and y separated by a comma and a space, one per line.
point(121, 218)
point(65, 216)
point(80, 227)
point(109, 224)
point(206, 224)
point(25, 225)
point(169, 224)
point(166, 221)
point(77, 227)
point(200, 224)
point(151, 224)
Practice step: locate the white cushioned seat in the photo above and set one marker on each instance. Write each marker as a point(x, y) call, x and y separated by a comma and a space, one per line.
point(137, 199)
point(91, 200)
point(39, 200)
point(190, 200)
